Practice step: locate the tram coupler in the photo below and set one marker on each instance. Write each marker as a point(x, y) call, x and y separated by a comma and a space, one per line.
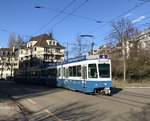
point(107, 91)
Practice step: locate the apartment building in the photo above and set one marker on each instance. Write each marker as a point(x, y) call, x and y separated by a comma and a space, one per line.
point(8, 62)
point(102, 50)
point(43, 48)
point(144, 38)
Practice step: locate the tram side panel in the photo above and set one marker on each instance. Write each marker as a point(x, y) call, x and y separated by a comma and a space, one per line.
point(86, 80)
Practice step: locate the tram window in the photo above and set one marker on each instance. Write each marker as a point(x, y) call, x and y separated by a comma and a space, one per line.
point(92, 71)
point(70, 71)
point(74, 71)
point(84, 72)
point(44, 72)
point(66, 73)
point(52, 73)
point(58, 72)
point(63, 71)
point(78, 71)
point(104, 70)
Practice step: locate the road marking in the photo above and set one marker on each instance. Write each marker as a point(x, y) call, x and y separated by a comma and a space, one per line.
point(31, 101)
point(52, 114)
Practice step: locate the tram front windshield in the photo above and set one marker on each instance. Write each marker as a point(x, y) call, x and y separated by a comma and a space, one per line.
point(92, 71)
point(104, 70)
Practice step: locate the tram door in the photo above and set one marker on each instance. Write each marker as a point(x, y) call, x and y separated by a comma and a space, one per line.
point(84, 74)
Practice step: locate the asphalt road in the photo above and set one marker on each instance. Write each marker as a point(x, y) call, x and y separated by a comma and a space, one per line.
point(43, 103)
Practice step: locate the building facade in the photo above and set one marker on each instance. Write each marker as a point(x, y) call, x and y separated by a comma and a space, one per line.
point(144, 38)
point(43, 48)
point(8, 62)
point(102, 50)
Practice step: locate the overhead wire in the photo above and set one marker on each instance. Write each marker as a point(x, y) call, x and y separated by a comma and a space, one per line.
point(123, 14)
point(57, 15)
point(73, 11)
point(107, 33)
point(75, 15)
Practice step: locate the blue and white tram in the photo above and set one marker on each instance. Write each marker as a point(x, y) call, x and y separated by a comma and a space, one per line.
point(89, 74)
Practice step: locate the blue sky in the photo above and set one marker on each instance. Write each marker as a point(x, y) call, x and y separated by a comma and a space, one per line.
point(20, 17)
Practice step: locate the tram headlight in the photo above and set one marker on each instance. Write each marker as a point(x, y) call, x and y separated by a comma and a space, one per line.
point(105, 84)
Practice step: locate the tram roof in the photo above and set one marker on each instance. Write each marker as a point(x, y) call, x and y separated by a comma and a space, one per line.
point(86, 57)
point(82, 58)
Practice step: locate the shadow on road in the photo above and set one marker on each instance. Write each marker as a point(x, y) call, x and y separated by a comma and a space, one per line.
point(15, 117)
point(115, 90)
point(19, 91)
point(78, 111)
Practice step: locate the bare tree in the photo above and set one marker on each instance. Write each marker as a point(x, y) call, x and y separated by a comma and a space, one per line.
point(14, 41)
point(123, 32)
point(19, 42)
point(11, 40)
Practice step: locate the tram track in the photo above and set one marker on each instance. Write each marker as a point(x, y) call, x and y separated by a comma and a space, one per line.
point(23, 110)
point(125, 98)
point(136, 94)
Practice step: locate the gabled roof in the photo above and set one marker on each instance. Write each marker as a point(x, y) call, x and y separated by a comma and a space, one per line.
point(42, 37)
point(41, 41)
point(22, 47)
point(7, 49)
point(60, 46)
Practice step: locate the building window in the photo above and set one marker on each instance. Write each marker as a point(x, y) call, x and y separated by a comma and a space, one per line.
point(58, 50)
point(21, 52)
point(15, 64)
point(46, 49)
point(50, 42)
point(8, 53)
point(34, 48)
point(8, 69)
